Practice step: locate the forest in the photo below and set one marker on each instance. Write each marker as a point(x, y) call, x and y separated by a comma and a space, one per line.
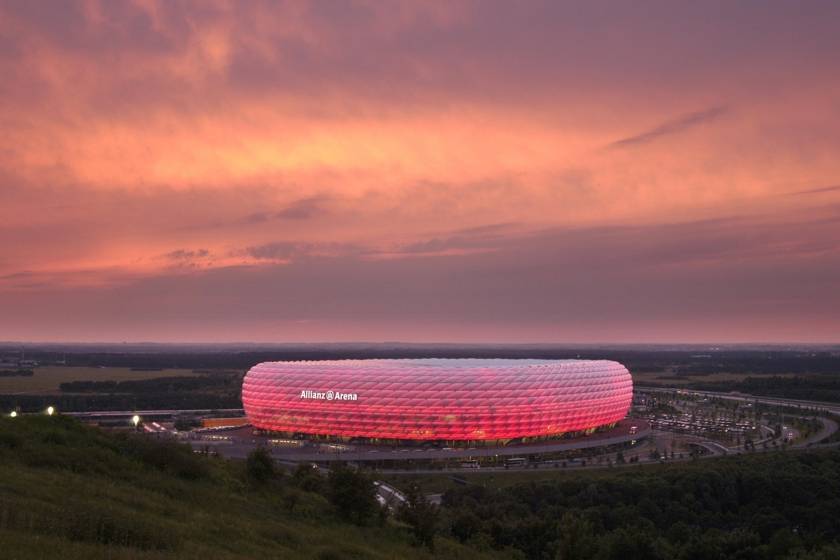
point(781, 505)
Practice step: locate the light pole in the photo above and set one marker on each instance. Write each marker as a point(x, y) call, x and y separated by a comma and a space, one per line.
point(50, 410)
point(135, 420)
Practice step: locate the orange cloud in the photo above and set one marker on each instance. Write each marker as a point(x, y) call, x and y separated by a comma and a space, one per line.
point(153, 139)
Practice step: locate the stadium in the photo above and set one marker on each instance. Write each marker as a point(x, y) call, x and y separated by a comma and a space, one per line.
point(457, 402)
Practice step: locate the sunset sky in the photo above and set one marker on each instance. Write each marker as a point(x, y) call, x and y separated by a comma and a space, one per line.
point(420, 171)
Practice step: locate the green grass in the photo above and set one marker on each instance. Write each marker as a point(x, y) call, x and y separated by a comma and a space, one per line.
point(80, 493)
point(47, 379)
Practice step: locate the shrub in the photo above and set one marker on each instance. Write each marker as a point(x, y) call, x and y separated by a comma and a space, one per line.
point(306, 477)
point(259, 466)
point(421, 516)
point(353, 495)
point(167, 456)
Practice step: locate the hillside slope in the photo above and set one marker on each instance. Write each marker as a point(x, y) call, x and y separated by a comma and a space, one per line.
point(79, 493)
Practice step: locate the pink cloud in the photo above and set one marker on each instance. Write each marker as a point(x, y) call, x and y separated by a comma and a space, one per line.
point(183, 144)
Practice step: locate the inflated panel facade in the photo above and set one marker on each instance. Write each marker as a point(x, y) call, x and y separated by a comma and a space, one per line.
point(436, 399)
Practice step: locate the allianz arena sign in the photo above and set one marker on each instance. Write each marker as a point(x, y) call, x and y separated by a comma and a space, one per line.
point(328, 395)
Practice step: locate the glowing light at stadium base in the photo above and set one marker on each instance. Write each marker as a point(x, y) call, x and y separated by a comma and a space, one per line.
point(437, 399)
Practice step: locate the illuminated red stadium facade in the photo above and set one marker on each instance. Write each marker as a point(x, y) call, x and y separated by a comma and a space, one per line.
point(437, 399)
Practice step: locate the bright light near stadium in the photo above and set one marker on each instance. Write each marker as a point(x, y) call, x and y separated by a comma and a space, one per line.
point(135, 420)
point(50, 410)
point(13, 414)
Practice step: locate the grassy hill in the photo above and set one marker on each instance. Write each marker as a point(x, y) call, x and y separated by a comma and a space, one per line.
point(70, 491)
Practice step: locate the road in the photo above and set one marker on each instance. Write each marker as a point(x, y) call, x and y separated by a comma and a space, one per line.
point(829, 429)
point(154, 413)
point(387, 495)
point(238, 445)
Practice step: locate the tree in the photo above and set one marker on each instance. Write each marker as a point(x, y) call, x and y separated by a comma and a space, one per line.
point(306, 477)
point(465, 525)
point(421, 515)
point(576, 538)
point(636, 542)
point(353, 495)
point(259, 466)
point(291, 499)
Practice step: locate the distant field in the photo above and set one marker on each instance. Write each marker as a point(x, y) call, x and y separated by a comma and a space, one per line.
point(47, 379)
point(669, 378)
